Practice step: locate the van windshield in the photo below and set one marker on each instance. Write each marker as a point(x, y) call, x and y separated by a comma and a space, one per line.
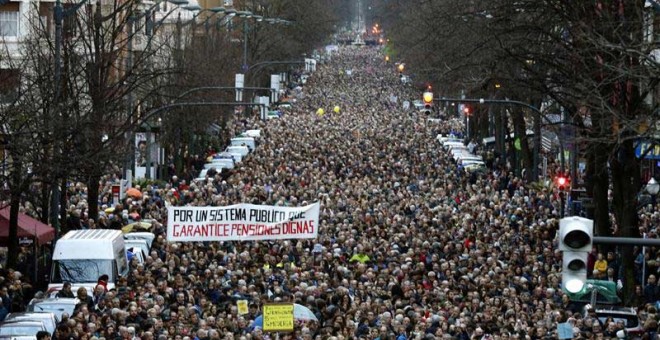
point(80, 271)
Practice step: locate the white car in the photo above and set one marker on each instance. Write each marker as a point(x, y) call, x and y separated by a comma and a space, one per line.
point(246, 141)
point(243, 150)
point(220, 164)
point(57, 306)
point(237, 157)
point(141, 235)
point(202, 174)
point(443, 139)
point(252, 133)
point(449, 145)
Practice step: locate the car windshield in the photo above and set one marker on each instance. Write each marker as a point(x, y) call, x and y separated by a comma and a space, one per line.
point(80, 271)
point(18, 329)
point(630, 321)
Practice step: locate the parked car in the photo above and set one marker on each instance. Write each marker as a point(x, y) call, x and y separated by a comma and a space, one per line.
point(236, 157)
point(47, 318)
point(222, 163)
point(57, 306)
point(243, 150)
point(246, 141)
point(138, 246)
point(634, 327)
point(21, 329)
point(141, 235)
point(251, 133)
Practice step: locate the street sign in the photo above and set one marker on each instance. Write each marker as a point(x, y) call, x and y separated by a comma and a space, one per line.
point(238, 84)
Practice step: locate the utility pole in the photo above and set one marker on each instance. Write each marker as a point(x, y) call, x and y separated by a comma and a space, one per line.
point(245, 44)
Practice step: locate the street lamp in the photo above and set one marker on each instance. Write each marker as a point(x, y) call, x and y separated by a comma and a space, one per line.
point(653, 187)
point(245, 15)
point(401, 67)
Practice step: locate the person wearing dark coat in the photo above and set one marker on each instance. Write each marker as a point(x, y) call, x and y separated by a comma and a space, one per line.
point(65, 292)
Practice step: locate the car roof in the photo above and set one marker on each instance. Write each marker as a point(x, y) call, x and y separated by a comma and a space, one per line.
point(57, 301)
point(619, 311)
point(29, 315)
point(22, 322)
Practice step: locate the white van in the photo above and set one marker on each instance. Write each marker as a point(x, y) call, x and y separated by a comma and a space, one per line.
point(243, 150)
point(82, 256)
point(244, 141)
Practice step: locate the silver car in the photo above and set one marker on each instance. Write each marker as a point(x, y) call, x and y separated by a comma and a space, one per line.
point(47, 318)
point(57, 306)
point(21, 329)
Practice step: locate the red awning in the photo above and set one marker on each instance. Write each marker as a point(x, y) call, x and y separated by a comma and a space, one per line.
point(27, 227)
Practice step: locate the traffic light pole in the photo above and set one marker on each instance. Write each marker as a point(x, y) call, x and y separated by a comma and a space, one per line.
point(627, 241)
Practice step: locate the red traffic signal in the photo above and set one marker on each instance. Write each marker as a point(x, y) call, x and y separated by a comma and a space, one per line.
point(467, 110)
point(562, 181)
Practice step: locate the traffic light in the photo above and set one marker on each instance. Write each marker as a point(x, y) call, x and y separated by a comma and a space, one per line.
point(467, 110)
point(562, 181)
point(575, 241)
point(427, 99)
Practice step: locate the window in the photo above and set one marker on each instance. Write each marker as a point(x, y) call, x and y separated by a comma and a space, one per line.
point(10, 82)
point(9, 24)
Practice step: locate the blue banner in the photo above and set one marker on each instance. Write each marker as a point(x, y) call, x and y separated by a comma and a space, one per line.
point(643, 147)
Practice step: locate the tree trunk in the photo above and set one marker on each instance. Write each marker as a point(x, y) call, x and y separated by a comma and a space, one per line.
point(626, 184)
point(521, 132)
point(598, 184)
point(14, 205)
point(45, 203)
point(63, 206)
point(93, 195)
point(12, 251)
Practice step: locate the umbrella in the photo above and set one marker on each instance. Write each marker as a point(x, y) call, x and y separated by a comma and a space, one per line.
point(135, 227)
point(300, 313)
point(135, 193)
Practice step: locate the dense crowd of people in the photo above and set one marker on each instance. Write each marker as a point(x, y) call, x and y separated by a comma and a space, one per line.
point(413, 246)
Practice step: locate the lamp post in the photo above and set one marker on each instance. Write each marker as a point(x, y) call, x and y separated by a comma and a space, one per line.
point(245, 15)
point(653, 187)
point(214, 11)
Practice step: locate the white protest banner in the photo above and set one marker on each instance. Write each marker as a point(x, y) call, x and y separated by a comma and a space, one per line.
point(242, 222)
